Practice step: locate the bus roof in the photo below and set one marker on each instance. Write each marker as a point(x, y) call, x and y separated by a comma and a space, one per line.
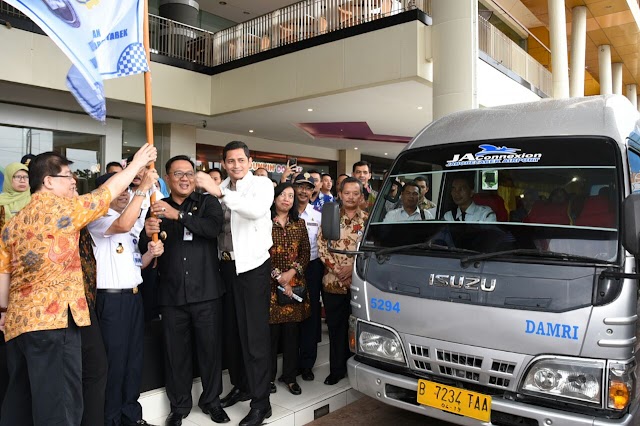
point(608, 115)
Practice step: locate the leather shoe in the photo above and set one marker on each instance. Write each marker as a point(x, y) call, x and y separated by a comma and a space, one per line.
point(142, 422)
point(236, 395)
point(294, 388)
point(256, 416)
point(307, 374)
point(272, 388)
point(216, 413)
point(174, 419)
point(332, 379)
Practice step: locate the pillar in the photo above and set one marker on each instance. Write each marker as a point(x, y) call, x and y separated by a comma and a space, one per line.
point(578, 49)
point(632, 94)
point(604, 66)
point(184, 11)
point(455, 23)
point(616, 78)
point(346, 158)
point(559, 57)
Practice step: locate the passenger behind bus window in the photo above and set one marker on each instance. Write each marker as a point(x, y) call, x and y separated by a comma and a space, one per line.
point(410, 210)
point(527, 200)
point(466, 210)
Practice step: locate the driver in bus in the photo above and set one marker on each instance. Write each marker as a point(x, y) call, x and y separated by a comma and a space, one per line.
point(466, 210)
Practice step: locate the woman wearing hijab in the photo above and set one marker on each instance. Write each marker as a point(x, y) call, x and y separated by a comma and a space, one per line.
point(15, 191)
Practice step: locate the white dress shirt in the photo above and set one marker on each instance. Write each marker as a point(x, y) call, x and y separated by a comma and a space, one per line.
point(474, 213)
point(401, 215)
point(116, 255)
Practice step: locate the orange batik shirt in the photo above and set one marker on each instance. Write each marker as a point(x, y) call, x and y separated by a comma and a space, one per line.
point(39, 248)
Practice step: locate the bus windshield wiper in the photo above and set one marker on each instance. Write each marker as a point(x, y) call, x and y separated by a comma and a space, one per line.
point(528, 252)
point(422, 246)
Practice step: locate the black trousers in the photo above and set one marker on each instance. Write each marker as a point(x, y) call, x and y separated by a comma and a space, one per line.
point(311, 328)
point(180, 324)
point(94, 372)
point(121, 317)
point(287, 333)
point(251, 293)
point(337, 309)
point(45, 378)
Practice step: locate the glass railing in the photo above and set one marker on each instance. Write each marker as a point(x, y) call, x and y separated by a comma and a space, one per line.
point(506, 52)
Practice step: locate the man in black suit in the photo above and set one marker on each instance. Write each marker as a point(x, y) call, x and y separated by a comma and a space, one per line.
point(189, 291)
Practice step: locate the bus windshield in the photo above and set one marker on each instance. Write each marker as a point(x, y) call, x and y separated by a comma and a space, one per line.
point(548, 195)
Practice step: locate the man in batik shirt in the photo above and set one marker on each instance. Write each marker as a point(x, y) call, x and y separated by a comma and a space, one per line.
point(337, 277)
point(39, 256)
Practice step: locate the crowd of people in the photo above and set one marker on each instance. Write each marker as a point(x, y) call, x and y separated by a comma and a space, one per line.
point(241, 270)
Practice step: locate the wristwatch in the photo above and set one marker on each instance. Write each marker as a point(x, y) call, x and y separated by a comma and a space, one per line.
point(3, 309)
point(139, 193)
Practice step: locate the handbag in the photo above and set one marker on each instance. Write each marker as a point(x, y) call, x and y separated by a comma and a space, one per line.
point(299, 290)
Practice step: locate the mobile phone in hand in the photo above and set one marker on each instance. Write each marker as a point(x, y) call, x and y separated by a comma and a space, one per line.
point(293, 162)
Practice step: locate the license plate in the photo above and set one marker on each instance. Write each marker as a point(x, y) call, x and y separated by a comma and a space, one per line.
point(454, 400)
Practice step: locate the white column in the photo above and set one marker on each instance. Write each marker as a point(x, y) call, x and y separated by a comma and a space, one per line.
point(559, 59)
point(632, 94)
point(578, 49)
point(346, 159)
point(616, 70)
point(455, 56)
point(604, 66)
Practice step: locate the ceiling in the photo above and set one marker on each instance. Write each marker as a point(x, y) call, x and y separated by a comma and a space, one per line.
point(609, 22)
point(391, 109)
point(242, 10)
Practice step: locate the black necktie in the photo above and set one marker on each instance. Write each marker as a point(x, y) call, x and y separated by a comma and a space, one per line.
point(463, 214)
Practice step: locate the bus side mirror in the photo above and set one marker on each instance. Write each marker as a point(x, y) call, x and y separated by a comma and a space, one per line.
point(631, 223)
point(331, 221)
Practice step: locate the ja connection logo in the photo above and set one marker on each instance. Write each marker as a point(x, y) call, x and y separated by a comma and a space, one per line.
point(492, 154)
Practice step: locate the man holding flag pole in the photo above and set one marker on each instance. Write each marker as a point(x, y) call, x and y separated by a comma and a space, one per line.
point(103, 39)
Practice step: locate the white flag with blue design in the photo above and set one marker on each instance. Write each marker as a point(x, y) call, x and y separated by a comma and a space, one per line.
point(102, 38)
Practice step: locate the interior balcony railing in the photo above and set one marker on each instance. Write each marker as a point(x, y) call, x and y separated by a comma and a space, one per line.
point(507, 53)
point(299, 21)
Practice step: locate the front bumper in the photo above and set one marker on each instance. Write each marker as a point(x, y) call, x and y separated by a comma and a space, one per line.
point(373, 382)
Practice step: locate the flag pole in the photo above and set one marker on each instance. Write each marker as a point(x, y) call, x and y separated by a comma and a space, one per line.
point(148, 106)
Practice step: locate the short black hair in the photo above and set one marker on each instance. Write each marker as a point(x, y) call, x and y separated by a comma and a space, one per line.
point(215, 169)
point(342, 174)
point(325, 174)
point(27, 158)
point(351, 180)
point(314, 171)
point(422, 179)
point(113, 164)
point(360, 164)
point(413, 183)
point(45, 164)
point(468, 177)
point(293, 213)
point(167, 166)
point(235, 145)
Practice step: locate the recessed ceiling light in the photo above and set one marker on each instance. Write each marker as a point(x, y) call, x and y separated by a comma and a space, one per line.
point(310, 109)
point(386, 153)
point(126, 142)
point(355, 148)
point(250, 131)
point(419, 107)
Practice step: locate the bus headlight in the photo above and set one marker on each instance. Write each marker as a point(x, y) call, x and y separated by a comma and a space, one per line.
point(622, 382)
point(380, 343)
point(577, 380)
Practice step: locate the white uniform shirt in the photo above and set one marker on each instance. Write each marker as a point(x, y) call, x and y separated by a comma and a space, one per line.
point(313, 219)
point(401, 215)
point(118, 259)
point(474, 213)
point(144, 208)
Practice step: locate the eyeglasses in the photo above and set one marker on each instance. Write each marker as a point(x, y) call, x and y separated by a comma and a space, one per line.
point(21, 178)
point(180, 175)
point(64, 176)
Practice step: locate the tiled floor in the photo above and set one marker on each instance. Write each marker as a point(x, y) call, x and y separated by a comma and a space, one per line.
point(288, 409)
